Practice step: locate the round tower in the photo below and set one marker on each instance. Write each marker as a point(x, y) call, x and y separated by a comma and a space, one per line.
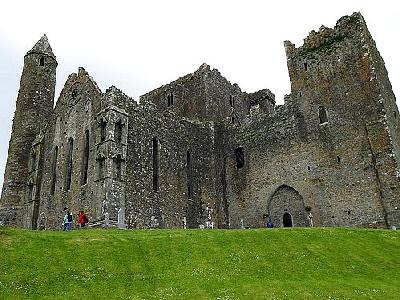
point(33, 108)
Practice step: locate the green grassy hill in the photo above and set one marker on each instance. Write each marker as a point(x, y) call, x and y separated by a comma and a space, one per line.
point(308, 263)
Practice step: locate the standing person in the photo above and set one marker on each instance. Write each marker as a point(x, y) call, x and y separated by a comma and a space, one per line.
point(310, 216)
point(65, 221)
point(69, 217)
point(270, 224)
point(81, 219)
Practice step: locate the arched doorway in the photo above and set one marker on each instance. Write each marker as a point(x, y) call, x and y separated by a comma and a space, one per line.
point(287, 220)
point(286, 208)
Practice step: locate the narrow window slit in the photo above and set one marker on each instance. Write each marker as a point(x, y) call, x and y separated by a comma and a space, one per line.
point(54, 171)
point(118, 132)
point(85, 159)
point(68, 173)
point(323, 116)
point(156, 164)
point(239, 154)
point(189, 175)
point(170, 99)
point(103, 127)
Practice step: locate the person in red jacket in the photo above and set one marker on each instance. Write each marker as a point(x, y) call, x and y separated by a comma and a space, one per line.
point(82, 219)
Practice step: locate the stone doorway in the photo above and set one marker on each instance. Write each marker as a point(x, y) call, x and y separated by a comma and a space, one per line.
point(287, 220)
point(286, 208)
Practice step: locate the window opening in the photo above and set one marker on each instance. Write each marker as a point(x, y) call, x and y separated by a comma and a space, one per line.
point(54, 170)
point(305, 66)
point(189, 175)
point(103, 127)
point(239, 154)
point(68, 173)
point(338, 159)
point(85, 159)
point(156, 164)
point(118, 132)
point(323, 116)
point(231, 101)
point(41, 61)
point(170, 99)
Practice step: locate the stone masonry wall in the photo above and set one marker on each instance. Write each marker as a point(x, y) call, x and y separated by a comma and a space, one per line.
point(169, 205)
point(75, 112)
point(33, 109)
point(332, 163)
point(204, 95)
point(199, 152)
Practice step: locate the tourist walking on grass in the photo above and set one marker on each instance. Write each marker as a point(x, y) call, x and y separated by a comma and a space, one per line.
point(69, 220)
point(65, 221)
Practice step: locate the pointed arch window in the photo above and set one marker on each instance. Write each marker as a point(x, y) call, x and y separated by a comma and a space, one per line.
point(41, 61)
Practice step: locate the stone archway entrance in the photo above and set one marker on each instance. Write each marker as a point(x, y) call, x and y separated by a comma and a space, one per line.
point(286, 208)
point(287, 220)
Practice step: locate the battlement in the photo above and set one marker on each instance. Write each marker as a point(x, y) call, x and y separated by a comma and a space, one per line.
point(326, 39)
point(115, 97)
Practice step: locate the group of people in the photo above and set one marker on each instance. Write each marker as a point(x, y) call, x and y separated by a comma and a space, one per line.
point(82, 220)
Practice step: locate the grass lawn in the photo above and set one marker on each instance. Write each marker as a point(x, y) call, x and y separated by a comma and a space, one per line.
point(297, 263)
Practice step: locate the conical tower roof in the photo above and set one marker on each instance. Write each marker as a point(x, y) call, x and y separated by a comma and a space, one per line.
point(42, 46)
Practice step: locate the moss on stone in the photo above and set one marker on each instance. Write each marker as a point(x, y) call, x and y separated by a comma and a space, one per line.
point(325, 46)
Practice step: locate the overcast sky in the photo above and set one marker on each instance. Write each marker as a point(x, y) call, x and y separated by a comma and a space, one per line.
point(140, 46)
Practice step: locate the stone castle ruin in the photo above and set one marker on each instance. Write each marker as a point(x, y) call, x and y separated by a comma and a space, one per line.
point(200, 152)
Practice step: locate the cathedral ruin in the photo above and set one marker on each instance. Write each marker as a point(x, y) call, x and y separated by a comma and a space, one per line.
point(200, 152)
